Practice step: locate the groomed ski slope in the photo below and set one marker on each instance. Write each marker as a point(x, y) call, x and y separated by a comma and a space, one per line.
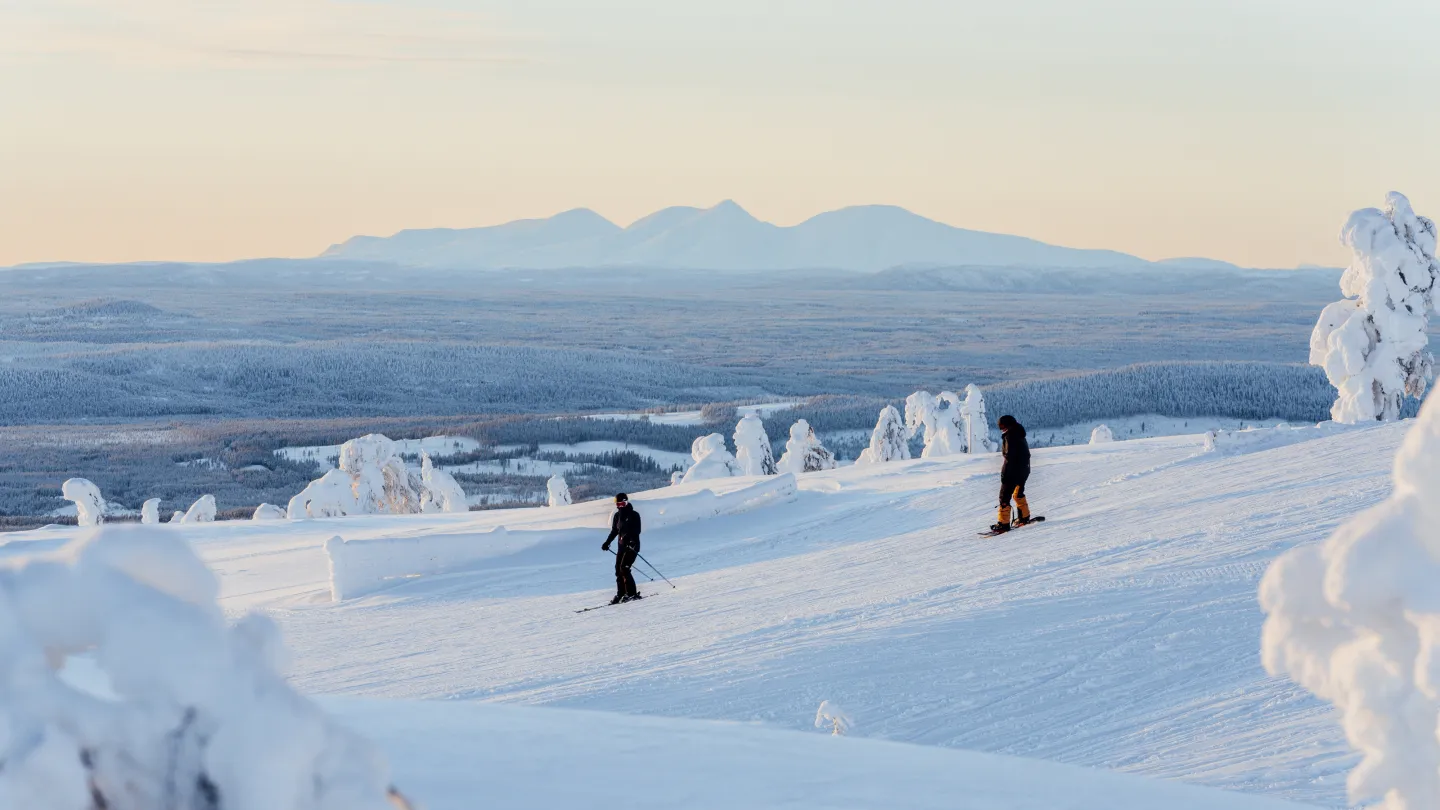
point(1121, 634)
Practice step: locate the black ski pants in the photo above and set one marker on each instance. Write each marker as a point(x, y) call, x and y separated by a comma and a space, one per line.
point(624, 558)
point(1012, 484)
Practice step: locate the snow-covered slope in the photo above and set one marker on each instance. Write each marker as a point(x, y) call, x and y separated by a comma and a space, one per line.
point(724, 237)
point(1122, 634)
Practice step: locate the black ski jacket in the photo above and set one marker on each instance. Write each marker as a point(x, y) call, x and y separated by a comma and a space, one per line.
point(1016, 451)
point(626, 526)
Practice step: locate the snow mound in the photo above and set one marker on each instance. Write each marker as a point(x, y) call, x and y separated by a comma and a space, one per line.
point(1356, 620)
point(363, 566)
point(558, 490)
point(712, 460)
point(1102, 435)
point(752, 447)
point(834, 718)
point(1253, 440)
point(198, 716)
point(150, 511)
point(804, 452)
point(267, 511)
point(373, 480)
point(202, 511)
point(889, 441)
point(1374, 344)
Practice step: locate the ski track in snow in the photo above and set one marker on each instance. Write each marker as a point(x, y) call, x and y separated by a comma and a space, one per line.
point(1122, 633)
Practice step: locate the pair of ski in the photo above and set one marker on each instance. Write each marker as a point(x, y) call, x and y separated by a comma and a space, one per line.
point(613, 604)
point(1034, 520)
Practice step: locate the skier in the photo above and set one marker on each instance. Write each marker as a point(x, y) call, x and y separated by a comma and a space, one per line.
point(1013, 472)
point(626, 526)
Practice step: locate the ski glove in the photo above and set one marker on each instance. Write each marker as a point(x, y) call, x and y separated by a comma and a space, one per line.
point(605, 546)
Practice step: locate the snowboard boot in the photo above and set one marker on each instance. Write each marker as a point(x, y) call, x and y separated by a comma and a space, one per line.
point(1023, 507)
point(1000, 528)
point(1003, 518)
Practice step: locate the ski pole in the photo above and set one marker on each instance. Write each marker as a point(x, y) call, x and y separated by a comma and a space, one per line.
point(642, 570)
point(656, 570)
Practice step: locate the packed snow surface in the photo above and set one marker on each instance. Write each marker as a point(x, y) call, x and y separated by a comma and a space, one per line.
point(1122, 634)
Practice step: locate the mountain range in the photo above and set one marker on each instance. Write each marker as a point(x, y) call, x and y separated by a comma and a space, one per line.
point(866, 238)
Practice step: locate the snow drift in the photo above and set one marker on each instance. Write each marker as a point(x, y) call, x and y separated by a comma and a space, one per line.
point(1356, 620)
point(1373, 345)
point(199, 718)
point(373, 480)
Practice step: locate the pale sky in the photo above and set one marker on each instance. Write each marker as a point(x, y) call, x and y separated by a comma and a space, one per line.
point(1242, 130)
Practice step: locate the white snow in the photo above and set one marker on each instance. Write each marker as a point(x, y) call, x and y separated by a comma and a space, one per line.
point(804, 452)
point(150, 511)
point(1102, 435)
point(977, 423)
point(890, 440)
point(1122, 634)
point(752, 446)
point(941, 417)
point(267, 511)
point(193, 709)
point(557, 491)
point(373, 480)
point(89, 505)
point(1374, 344)
point(1356, 620)
point(515, 466)
point(712, 460)
point(439, 446)
point(202, 511)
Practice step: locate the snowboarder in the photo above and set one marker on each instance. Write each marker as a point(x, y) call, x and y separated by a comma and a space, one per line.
point(1013, 472)
point(626, 526)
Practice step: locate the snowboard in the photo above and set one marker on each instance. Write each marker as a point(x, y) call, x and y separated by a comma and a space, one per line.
point(1033, 521)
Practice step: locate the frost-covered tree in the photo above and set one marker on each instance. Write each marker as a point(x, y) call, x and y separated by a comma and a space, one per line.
point(202, 511)
point(677, 477)
point(752, 447)
point(267, 511)
point(832, 717)
point(373, 480)
point(89, 505)
point(889, 441)
point(1374, 344)
point(1355, 620)
point(1101, 435)
point(177, 517)
point(558, 491)
point(977, 425)
point(199, 717)
point(804, 452)
point(941, 419)
point(712, 460)
point(150, 511)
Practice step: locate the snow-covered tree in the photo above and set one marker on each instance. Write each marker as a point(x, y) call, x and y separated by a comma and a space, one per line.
point(752, 447)
point(832, 717)
point(1101, 435)
point(677, 477)
point(150, 511)
point(373, 480)
point(889, 441)
point(977, 425)
point(1374, 344)
point(202, 511)
point(558, 491)
point(941, 418)
point(199, 717)
point(804, 452)
point(267, 511)
point(177, 517)
point(712, 460)
point(1355, 620)
point(89, 505)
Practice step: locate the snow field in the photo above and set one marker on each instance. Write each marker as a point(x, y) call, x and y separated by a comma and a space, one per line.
point(1122, 634)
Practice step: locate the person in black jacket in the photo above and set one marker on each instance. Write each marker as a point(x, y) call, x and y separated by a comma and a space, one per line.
point(625, 525)
point(1013, 472)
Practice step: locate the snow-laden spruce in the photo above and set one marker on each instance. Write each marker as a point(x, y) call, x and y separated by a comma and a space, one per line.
point(977, 423)
point(202, 511)
point(1102, 435)
point(712, 460)
point(373, 480)
point(804, 452)
point(941, 418)
point(557, 491)
point(89, 505)
point(890, 441)
point(832, 717)
point(1356, 620)
point(198, 716)
point(752, 447)
point(1374, 344)
point(150, 511)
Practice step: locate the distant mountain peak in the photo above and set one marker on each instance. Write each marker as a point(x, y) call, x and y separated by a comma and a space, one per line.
point(724, 237)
